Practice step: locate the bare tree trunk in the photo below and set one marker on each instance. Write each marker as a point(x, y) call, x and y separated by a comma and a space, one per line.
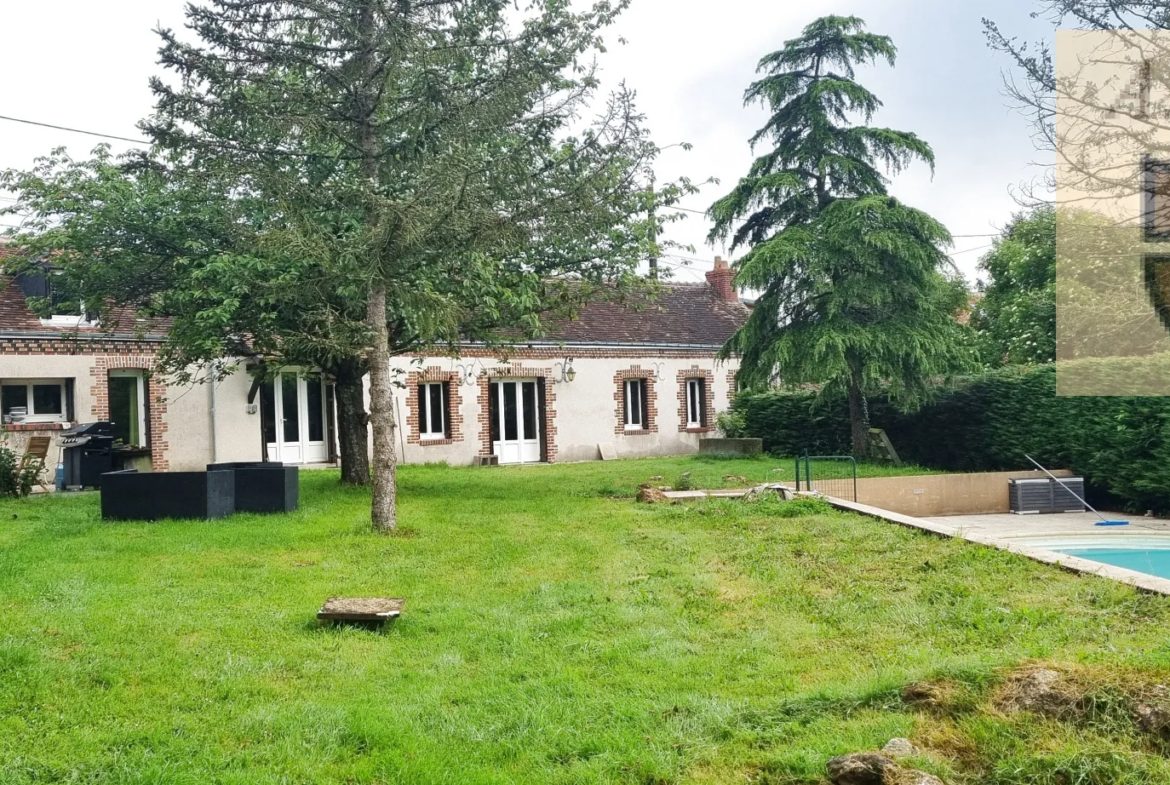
point(858, 412)
point(383, 508)
point(353, 432)
point(383, 502)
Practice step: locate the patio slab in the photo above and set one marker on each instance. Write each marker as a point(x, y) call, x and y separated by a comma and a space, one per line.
point(1007, 526)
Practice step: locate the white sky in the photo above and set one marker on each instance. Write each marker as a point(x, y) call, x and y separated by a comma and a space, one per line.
point(85, 64)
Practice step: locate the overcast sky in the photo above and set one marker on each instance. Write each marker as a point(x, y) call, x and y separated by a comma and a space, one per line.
point(85, 64)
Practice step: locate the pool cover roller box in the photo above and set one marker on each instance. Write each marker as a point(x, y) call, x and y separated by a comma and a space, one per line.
point(1046, 495)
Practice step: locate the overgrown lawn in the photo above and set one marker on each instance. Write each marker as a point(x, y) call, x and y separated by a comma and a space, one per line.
point(555, 632)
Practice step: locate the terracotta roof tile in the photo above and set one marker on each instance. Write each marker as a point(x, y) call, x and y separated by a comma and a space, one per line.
point(689, 314)
point(15, 315)
point(682, 313)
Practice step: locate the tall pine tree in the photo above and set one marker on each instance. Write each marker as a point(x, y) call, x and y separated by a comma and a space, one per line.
point(853, 290)
point(424, 164)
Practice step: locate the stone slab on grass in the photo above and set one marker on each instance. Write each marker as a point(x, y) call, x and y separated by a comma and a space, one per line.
point(367, 610)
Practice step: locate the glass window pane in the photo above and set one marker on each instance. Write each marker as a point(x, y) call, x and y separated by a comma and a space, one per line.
point(14, 395)
point(47, 399)
point(62, 301)
point(634, 402)
point(437, 410)
point(315, 400)
point(124, 408)
point(268, 411)
point(292, 409)
point(529, 410)
point(494, 410)
point(511, 427)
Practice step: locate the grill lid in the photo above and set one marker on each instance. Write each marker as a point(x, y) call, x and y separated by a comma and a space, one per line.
point(84, 433)
point(102, 428)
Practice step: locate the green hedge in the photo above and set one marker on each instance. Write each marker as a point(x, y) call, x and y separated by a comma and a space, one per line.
point(988, 423)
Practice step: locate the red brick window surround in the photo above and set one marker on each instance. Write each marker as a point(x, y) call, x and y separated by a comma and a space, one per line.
point(644, 399)
point(705, 404)
point(545, 384)
point(449, 396)
point(156, 400)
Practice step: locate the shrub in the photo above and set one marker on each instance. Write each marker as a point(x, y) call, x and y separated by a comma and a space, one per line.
point(731, 424)
point(13, 480)
point(1121, 445)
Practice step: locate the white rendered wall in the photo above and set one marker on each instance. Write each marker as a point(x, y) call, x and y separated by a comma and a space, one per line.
point(586, 410)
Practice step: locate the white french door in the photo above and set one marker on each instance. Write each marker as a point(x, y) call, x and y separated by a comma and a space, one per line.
point(294, 418)
point(515, 415)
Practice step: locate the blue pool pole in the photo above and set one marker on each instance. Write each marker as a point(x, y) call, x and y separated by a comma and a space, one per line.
point(1078, 498)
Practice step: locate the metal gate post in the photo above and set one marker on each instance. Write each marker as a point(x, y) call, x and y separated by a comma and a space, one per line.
point(854, 462)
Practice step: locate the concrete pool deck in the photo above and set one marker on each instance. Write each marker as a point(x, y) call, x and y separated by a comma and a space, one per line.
point(1000, 531)
point(1009, 526)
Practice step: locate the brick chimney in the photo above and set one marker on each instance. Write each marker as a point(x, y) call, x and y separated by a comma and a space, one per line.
point(719, 279)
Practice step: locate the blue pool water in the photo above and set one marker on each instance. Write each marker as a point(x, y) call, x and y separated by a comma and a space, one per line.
point(1143, 553)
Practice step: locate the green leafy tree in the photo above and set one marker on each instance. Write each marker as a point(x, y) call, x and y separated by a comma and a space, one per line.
point(425, 164)
point(853, 293)
point(138, 235)
point(1016, 316)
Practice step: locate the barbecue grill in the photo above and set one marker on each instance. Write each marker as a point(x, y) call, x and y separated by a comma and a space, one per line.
point(88, 454)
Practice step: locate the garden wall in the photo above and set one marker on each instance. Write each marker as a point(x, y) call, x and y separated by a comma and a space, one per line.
point(928, 495)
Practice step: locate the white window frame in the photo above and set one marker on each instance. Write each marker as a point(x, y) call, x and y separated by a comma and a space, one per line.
point(633, 414)
point(695, 395)
point(29, 384)
point(141, 413)
point(67, 320)
point(424, 411)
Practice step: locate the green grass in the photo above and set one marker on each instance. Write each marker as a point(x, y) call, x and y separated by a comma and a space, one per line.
point(553, 634)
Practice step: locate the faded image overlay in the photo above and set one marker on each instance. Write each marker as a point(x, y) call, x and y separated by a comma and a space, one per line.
point(1112, 134)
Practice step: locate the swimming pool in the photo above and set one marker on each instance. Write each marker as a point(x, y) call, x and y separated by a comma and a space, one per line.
point(1148, 553)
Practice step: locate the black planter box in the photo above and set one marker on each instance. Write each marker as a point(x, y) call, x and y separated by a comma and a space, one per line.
point(263, 487)
point(151, 496)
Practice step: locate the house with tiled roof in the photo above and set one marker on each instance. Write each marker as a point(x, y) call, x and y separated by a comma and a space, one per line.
point(619, 379)
point(67, 369)
point(622, 379)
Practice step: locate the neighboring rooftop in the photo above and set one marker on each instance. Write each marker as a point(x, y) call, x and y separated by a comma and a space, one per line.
point(681, 314)
point(690, 314)
point(17, 317)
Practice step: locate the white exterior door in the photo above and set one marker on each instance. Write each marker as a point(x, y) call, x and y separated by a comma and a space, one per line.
point(295, 430)
point(516, 420)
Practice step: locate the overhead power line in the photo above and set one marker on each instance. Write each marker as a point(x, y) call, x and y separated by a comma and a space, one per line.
point(74, 130)
point(969, 250)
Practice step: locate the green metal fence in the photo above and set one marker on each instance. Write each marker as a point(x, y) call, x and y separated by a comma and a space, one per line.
point(830, 475)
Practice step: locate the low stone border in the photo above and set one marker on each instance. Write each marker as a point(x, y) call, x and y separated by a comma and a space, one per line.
point(1139, 580)
point(722, 493)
